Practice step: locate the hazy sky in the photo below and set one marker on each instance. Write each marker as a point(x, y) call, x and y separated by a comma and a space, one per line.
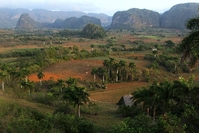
point(108, 7)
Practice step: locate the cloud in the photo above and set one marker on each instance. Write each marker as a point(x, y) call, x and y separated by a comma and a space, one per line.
point(64, 5)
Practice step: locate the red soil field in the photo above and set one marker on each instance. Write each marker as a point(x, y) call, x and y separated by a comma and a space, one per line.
point(76, 69)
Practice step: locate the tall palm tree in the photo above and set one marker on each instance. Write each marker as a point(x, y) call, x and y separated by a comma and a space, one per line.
point(131, 65)
point(94, 72)
point(77, 95)
point(102, 73)
point(162, 97)
point(40, 76)
point(3, 74)
point(144, 97)
point(60, 84)
point(122, 73)
point(2, 78)
point(116, 67)
point(109, 65)
point(23, 73)
point(132, 70)
point(29, 85)
point(157, 96)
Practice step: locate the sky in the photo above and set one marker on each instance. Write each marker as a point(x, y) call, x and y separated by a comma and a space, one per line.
point(108, 7)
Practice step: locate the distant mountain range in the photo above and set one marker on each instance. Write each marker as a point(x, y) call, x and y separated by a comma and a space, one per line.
point(176, 17)
point(9, 17)
point(26, 22)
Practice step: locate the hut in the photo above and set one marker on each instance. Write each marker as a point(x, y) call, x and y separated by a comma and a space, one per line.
point(126, 100)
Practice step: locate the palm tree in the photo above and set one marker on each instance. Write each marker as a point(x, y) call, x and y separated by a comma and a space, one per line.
point(109, 65)
point(2, 77)
point(131, 70)
point(40, 76)
point(122, 65)
point(131, 65)
point(189, 45)
point(144, 97)
point(77, 95)
point(94, 72)
point(116, 66)
point(102, 73)
point(71, 81)
point(157, 96)
point(9, 70)
point(60, 84)
point(162, 97)
point(23, 73)
point(183, 93)
point(3, 74)
point(27, 85)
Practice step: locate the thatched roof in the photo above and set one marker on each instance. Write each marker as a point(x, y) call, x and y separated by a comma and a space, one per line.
point(126, 100)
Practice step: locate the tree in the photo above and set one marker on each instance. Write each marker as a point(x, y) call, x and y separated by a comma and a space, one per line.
point(71, 81)
point(2, 78)
point(3, 74)
point(162, 96)
point(133, 71)
point(116, 66)
point(92, 47)
point(167, 96)
point(109, 65)
point(77, 95)
point(143, 96)
point(131, 65)
point(189, 45)
point(101, 72)
point(40, 76)
point(122, 74)
point(60, 84)
point(94, 72)
point(28, 85)
point(23, 73)
point(123, 46)
point(169, 44)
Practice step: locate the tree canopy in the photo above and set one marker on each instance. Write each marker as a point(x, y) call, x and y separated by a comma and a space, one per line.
point(189, 45)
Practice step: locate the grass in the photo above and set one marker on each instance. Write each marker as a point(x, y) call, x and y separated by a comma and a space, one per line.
point(4, 101)
point(115, 91)
point(105, 117)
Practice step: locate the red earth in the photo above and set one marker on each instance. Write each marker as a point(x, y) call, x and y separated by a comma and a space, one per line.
point(76, 69)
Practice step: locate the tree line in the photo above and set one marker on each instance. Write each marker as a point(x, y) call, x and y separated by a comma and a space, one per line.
point(113, 71)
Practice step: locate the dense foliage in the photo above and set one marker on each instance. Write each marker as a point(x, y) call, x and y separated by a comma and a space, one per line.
point(26, 120)
point(189, 45)
point(163, 107)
